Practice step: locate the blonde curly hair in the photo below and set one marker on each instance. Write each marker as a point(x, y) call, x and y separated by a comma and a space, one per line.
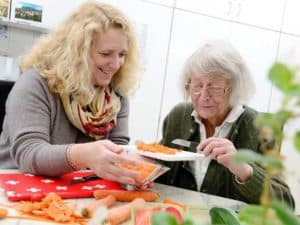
point(63, 55)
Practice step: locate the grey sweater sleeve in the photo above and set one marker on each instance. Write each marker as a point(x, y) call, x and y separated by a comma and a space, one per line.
point(29, 109)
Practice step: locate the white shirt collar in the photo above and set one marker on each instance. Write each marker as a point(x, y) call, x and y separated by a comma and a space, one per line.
point(233, 115)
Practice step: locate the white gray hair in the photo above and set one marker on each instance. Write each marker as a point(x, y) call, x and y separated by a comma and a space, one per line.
point(220, 58)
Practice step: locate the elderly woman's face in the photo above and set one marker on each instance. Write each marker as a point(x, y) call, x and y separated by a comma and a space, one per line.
point(108, 55)
point(210, 96)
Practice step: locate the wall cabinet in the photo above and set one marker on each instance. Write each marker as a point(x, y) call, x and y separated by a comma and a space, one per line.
point(291, 22)
point(216, 8)
point(266, 13)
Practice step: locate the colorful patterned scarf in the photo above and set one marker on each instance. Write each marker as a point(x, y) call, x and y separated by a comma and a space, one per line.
point(99, 117)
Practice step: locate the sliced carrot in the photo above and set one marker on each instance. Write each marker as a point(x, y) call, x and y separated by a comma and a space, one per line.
point(89, 209)
point(122, 213)
point(127, 196)
point(3, 213)
point(143, 169)
point(157, 148)
point(51, 207)
point(175, 203)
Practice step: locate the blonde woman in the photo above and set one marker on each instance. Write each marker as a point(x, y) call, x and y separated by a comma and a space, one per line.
point(69, 109)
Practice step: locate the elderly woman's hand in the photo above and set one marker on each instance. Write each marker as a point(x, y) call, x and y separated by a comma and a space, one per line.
point(222, 150)
point(105, 159)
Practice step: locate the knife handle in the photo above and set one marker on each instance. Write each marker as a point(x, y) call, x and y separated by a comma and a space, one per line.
point(193, 146)
point(91, 177)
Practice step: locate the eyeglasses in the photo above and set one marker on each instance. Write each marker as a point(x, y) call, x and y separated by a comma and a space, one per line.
point(211, 91)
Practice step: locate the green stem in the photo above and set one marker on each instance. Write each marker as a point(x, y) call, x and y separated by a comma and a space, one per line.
point(265, 197)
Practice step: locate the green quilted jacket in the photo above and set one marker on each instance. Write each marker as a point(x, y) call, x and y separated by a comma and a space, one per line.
point(219, 180)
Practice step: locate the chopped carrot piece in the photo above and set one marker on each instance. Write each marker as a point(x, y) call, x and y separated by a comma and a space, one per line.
point(157, 148)
point(51, 207)
point(88, 210)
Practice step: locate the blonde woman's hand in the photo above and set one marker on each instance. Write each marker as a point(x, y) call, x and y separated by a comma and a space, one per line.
point(222, 150)
point(105, 159)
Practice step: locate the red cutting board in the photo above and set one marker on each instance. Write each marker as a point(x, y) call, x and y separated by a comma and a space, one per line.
point(20, 186)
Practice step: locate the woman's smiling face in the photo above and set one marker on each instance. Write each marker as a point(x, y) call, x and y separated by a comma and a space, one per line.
point(210, 97)
point(108, 54)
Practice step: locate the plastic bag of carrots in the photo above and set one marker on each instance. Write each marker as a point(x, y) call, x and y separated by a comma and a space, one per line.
point(147, 171)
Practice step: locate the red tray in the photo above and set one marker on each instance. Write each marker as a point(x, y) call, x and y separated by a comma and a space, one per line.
point(20, 186)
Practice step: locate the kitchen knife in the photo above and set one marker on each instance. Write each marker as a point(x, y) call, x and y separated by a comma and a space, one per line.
point(191, 145)
point(84, 179)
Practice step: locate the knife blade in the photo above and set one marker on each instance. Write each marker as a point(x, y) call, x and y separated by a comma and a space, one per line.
point(84, 179)
point(191, 145)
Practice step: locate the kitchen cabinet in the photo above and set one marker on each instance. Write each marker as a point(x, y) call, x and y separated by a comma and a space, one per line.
point(214, 8)
point(169, 3)
point(261, 13)
point(291, 21)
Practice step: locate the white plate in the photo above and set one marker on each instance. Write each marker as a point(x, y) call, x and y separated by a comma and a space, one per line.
point(179, 156)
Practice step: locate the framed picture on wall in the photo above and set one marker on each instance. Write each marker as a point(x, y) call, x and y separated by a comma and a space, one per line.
point(4, 8)
point(30, 11)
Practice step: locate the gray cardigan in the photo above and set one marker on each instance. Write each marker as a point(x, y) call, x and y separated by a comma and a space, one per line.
point(36, 130)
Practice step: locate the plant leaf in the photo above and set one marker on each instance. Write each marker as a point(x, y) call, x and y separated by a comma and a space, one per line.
point(247, 156)
point(297, 140)
point(251, 214)
point(219, 216)
point(163, 218)
point(285, 214)
point(281, 76)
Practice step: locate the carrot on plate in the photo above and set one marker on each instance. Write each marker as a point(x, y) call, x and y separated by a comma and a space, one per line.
point(89, 209)
point(122, 213)
point(156, 148)
point(126, 195)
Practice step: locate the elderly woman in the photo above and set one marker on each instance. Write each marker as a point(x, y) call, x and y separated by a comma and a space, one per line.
point(219, 84)
point(69, 108)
